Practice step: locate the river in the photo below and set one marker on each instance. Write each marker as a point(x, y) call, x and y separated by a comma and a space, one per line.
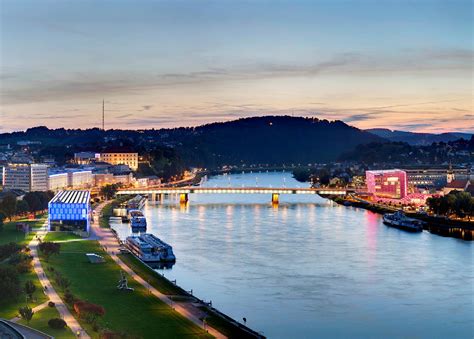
point(311, 268)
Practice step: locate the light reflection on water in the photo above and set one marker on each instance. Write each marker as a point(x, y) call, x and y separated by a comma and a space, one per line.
point(310, 268)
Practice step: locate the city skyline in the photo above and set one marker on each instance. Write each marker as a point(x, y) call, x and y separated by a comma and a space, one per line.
point(389, 64)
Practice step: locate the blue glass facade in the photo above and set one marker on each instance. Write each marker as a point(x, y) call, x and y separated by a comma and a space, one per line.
point(69, 215)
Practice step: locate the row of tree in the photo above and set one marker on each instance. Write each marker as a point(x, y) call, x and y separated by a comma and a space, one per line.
point(32, 202)
point(456, 203)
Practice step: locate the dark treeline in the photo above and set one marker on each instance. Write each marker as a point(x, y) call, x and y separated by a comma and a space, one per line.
point(261, 140)
point(268, 140)
point(458, 151)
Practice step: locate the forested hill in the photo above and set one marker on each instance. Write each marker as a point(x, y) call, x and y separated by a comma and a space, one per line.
point(422, 139)
point(271, 140)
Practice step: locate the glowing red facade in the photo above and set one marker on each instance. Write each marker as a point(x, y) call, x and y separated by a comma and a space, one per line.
point(387, 183)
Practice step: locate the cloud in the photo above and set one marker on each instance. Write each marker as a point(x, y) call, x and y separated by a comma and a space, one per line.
point(45, 87)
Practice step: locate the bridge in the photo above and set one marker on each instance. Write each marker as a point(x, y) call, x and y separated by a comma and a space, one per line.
point(184, 192)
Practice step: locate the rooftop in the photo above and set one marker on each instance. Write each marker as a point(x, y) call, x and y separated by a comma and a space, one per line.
point(460, 183)
point(119, 149)
point(71, 197)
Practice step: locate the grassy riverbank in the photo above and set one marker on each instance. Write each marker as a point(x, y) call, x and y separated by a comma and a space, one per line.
point(154, 279)
point(225, 326)
point(40, 323)
point(135, 313)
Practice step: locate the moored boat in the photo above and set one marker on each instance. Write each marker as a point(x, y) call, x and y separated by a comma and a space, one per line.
point(149, 248)
point(401, 221)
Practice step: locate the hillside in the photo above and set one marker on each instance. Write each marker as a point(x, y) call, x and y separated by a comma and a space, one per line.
point(272, 140)
point(417, 138)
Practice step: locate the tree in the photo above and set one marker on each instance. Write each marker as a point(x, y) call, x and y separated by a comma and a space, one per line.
point(108, 191)
point(33, 201)
point(64, 283)
point(9, 282)
point(88, 311)
point(56, 323)
point(22, 207)
point(26, 313)
point(49, 248)
point(8, 206)
point(30, 288)
point(2, 218)
point(8, 250)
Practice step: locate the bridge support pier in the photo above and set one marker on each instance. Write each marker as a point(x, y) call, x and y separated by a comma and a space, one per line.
point(183, 198)
point(275, 198)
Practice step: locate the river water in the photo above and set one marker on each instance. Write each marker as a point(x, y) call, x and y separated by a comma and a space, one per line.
point(310, 268)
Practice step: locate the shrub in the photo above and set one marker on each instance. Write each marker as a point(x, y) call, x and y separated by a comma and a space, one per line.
point(9, 249)
point(48, 248)
point(51, 304)
point(69, 298)
point(56, 323)
point(82, 308)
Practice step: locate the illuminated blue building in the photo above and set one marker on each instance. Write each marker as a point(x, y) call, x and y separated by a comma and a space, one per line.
point(70, 211)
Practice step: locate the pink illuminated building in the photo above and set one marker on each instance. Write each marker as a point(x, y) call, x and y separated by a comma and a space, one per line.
point(387, 183)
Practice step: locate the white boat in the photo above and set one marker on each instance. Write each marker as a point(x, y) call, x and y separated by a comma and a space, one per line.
point(401, 221)
point(149, 248)
point(137, 202)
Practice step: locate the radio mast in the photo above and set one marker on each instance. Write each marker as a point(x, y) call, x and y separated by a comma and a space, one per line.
point(103, 114)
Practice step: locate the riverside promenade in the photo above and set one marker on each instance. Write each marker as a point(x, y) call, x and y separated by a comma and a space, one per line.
point(49, 291)
point(108, 240)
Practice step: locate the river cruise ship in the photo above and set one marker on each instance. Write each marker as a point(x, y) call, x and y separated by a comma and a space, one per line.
point(136, 203)
point(149, 248)
point(401, 221)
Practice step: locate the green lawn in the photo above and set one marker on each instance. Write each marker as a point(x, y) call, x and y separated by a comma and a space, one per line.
point(107, 211)
point(10, 234)
point(161, 284)
point(136, 313)
point(9, 309)
point(40, 323)
point(61, 236)
point(166, 287)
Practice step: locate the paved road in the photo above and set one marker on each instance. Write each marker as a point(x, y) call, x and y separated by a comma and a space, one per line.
point(49, 290)
point(107, 240)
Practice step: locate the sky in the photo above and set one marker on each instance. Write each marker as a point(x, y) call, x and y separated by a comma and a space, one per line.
point(398, 64)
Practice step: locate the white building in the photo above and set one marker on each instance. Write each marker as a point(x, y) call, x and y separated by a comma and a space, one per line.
point(80, 179)
point(26, 177)
point(71, 179)
point(58, 181)
point(120, 156)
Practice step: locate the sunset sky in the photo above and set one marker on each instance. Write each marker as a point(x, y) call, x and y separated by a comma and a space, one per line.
point(396, 64)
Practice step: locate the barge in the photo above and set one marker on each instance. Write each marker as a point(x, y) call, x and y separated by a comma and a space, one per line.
point(401, 221)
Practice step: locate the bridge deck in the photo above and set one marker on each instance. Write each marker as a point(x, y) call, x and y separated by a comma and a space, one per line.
point(231, 190)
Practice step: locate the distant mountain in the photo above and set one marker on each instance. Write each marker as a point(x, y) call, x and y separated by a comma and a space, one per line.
point(271, 140)
point(417, 138)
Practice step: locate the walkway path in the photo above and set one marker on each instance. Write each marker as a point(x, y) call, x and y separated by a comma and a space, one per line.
point(35, 309)
point(108, 240)
point(49, 290)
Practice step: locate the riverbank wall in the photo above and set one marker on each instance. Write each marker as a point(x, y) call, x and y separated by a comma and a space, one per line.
point(437, 225)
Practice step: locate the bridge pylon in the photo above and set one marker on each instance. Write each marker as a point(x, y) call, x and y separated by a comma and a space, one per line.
point(183, 198)
point(275, 198)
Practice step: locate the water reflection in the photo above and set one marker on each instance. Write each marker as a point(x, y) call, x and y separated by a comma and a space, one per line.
point(315, 269)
